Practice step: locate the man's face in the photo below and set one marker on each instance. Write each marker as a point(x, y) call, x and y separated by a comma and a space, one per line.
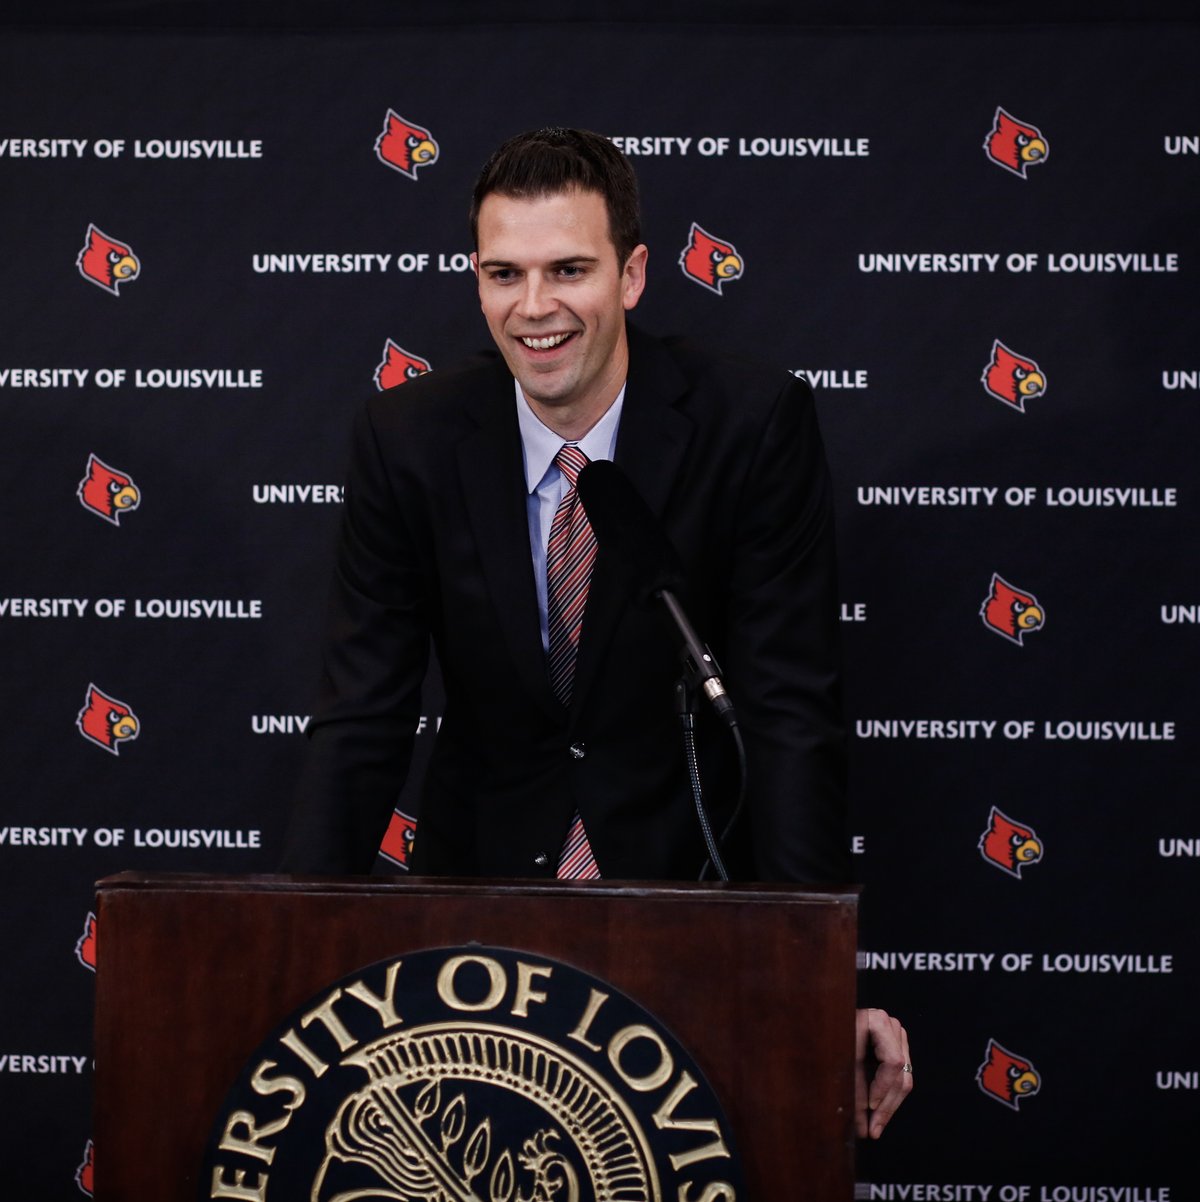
point(555, 299)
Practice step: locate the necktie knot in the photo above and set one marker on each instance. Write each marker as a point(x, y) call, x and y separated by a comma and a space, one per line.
point(570, 460)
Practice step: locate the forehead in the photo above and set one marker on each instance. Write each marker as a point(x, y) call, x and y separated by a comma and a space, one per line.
point(552, 227)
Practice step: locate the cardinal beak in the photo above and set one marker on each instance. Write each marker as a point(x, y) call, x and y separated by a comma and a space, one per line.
point(1033, 383)
point(1029, 851)
point(125, 728)
point(1031, 618)
point(424, 152)
point(1034, 151)
point(1027, 1083)
point(729, 267)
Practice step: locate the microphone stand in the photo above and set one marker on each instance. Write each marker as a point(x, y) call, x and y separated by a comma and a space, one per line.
point(702, 675)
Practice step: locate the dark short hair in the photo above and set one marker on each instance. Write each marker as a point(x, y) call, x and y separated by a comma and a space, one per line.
point(545, 162)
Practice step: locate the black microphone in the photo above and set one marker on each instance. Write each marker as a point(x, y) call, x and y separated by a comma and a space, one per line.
point(627, 529)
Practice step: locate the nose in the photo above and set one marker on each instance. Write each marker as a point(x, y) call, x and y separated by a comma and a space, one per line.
point(537, 299)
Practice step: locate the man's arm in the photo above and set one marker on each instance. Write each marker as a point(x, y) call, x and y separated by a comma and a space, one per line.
point(782, 659)
point(375, 655)
point(785, 637)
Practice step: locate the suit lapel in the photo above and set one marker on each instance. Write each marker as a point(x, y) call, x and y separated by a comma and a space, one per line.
point(652, 441)
point(493, 483)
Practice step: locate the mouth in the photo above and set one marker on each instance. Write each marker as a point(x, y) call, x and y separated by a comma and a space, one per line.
point(547, 342)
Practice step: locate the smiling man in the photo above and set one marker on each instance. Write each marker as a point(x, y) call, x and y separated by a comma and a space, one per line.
point(559, 753)
point(455, 484)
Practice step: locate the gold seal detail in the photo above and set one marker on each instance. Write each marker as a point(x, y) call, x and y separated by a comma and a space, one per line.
point(402, 1130)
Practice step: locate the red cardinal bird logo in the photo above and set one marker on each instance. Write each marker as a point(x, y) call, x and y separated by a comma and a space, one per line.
point(107, 721)
point(1011, 612)
point(398, 366)
point(106, 262)
point(107, 492)
point(1012, 378)
point(1006, 1077)
point(709, 261)
point(1009, 845)
point(1014, 145)
point(83, 1174)
point(85, 945)
point(397, 843)
point(404, 146)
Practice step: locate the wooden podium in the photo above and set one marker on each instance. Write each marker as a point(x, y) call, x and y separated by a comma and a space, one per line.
point(756, 982)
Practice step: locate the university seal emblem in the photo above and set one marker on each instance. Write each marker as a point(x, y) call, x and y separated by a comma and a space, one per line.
point(472, 1075)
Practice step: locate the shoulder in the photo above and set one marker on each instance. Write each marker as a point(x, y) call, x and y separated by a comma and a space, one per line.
point(440, 402)
point(739, 394)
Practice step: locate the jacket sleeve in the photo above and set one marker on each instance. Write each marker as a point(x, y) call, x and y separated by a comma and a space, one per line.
point(375, 654)
point(783, 650)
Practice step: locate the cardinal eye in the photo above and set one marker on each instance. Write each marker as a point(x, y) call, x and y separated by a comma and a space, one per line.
point(1014, 1071)
point(411, 372)
point(413, 140)
point(1022, 139)
point(113, 257)
point(114, 716)
point(1016, 840)
point(717, 255)
point(113, 486)
point(1019, 373)
point(1018, 607)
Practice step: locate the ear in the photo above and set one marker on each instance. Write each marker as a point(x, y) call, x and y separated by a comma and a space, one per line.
point(478, 277)
point(633, 277)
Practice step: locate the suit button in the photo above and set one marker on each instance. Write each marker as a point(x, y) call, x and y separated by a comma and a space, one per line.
point(578, 751)
point(541, 859)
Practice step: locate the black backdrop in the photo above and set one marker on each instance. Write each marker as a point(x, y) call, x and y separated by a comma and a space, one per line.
point(205, 152)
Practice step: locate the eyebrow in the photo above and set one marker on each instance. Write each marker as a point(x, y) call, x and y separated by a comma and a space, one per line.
point(564, 262)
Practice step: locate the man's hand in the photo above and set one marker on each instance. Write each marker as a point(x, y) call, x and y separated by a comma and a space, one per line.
point(888, 1041)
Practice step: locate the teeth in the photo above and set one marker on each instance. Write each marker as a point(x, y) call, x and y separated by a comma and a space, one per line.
point(544, 344)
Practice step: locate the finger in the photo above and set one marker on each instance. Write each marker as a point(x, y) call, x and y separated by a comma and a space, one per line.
point(887, 1044)
point(891, 1084)
point(861, 1027)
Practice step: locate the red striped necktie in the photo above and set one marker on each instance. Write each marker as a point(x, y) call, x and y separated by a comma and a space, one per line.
point(570, 555)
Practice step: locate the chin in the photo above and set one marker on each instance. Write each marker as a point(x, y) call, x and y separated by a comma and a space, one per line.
point(546, 389)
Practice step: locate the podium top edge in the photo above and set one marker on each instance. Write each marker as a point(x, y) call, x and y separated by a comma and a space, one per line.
point(742, 892)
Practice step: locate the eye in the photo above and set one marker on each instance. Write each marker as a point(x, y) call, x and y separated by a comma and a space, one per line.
point(413, 140)
point(412, 372)
point(114, 716)
point(1016, 840)
point(1019, 373)
point(717, 255)
point(1018, 607)
point(570, 271)
point(113, 257)
point(1022, 139)
point(502, 275)
point(113, 486)
point(1014, 1071)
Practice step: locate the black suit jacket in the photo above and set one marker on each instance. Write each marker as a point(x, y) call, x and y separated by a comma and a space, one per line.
point(435, 546)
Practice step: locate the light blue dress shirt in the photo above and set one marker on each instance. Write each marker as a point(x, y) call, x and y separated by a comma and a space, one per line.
point(547, 485)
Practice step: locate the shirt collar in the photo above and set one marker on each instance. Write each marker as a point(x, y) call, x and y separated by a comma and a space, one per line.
point(540, 444)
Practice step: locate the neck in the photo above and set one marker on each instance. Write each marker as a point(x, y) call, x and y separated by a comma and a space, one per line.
point(572, 423)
